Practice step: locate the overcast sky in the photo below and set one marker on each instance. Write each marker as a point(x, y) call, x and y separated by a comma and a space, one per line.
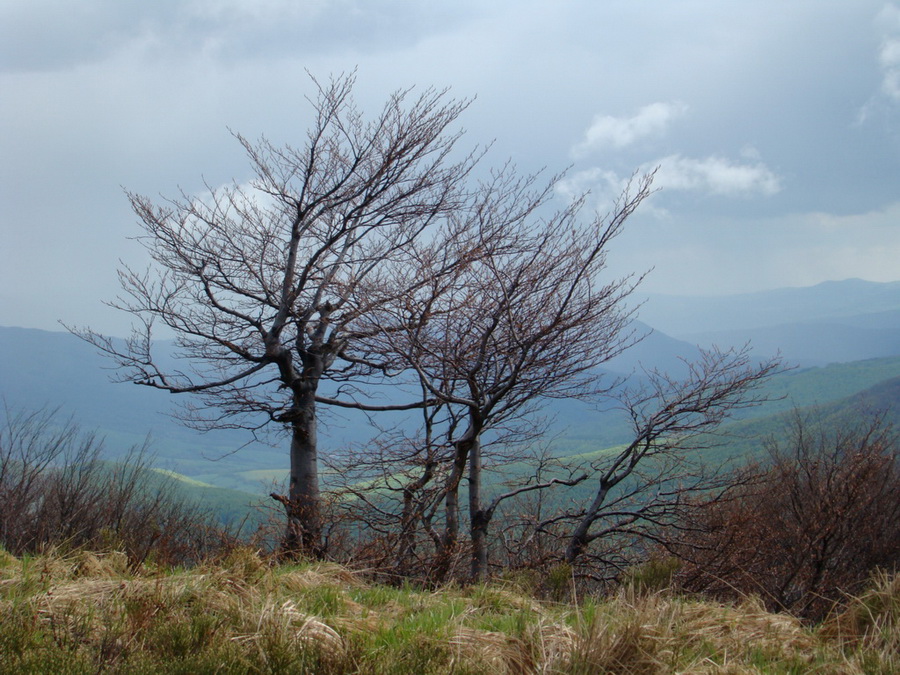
point(776, 125)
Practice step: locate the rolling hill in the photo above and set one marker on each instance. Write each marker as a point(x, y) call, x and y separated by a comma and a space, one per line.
point(830, 323)
point(836, 385)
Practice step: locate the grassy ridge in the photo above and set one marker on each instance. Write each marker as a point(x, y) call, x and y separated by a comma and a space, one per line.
point(746, 438)
point(255, 481)
point(232, 508)
point(91, 613)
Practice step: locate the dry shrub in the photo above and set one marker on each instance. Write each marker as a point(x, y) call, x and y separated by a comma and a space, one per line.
point(818, 521)
point(57, 491)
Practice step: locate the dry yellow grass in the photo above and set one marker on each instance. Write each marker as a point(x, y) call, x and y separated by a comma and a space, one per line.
point(91, 612)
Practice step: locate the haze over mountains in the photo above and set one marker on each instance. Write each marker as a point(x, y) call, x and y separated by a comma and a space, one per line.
point(835, 321)
point(832, 323)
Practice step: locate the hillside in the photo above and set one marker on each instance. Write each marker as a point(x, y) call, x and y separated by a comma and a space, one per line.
point(839, 395)
point(125, 414)
point(746, 439)
point(834, 323)
point(56, 369)
point(44, 368)
point(233, 508)
point(589, 429)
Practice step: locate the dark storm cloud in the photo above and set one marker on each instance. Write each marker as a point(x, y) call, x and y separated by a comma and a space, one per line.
point(51, 34)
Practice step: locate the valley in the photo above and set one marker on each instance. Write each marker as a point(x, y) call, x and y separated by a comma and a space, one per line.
point(842, 340)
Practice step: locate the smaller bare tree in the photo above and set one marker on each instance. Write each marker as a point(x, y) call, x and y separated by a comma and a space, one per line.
point(645, 487)
point(523, 318)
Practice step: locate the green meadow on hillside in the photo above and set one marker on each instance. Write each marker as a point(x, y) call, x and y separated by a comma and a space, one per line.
point(831, 385)
point(837, 393)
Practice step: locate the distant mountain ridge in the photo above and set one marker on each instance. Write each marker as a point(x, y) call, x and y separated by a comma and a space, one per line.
point(43, 368)
point(811, 343)
point(830, 300)
point(653, 349)
point(40, 368)
point(836, 321)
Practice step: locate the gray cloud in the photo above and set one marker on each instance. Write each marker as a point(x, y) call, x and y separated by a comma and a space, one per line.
point(889, 53)
point(716, 175)
point(52, 34)
point(103, 93)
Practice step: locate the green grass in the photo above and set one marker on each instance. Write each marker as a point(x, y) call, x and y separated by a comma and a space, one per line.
point(183, 479)
point(88, 613)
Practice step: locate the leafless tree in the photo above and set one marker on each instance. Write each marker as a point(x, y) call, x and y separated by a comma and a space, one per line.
point(366, 254)
point(264, 285)
point(645, 487)
point(525, 318)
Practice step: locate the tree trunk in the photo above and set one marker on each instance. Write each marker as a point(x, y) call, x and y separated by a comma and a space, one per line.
point(451, 530)
point(304, 527)
point(578, 542)
point(411, 514)
point(581, 535)
point(478, 521)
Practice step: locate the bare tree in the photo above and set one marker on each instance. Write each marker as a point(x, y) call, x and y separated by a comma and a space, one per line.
point(645, 487)
point(364, 254)
point(524, 317)
point(264, 285)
